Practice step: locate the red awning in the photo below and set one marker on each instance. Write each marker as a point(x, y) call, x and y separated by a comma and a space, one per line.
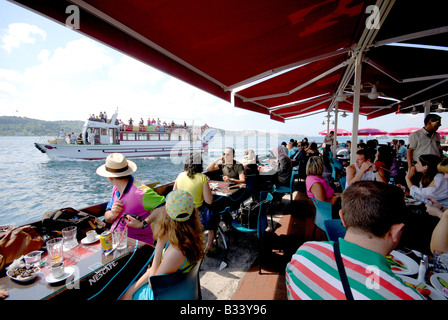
point(302, 50)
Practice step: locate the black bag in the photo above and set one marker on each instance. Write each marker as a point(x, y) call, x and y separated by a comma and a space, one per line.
point(249, 215)
point(55, 221)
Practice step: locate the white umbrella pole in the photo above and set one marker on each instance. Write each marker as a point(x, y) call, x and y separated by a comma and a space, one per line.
point(356, 100)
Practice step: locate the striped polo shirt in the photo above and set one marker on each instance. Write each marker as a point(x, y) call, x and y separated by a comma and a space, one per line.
point(313, 274)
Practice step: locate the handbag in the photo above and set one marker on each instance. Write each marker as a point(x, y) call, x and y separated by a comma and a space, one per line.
point(54, 221)
point(248, 215)
point(18, 241)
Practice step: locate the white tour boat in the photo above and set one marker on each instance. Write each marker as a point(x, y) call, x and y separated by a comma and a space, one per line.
point(99, 139)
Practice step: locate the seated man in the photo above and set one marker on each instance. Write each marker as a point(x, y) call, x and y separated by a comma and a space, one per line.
point(232, 171)
point(129, 197)
point(373, 214)
point(364, 169)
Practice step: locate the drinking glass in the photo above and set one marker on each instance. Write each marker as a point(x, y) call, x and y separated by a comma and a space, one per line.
point(55, 250)
point(120, 239)
point(69, 236)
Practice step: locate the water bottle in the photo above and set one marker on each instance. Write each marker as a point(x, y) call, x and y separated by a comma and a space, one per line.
point(392, 181)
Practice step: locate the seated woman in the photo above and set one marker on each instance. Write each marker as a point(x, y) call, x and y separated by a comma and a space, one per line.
point(196, 183)
point(180, 243)
point(284, 167)
point(317, 186)
point(249, 162)
point(383, 160)
point(313, 150)
point(439, 238)
point(432, 183)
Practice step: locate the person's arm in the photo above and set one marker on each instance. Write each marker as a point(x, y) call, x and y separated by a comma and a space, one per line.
point(214, 165)
point(409, 175)
point(111, 215)
point(318, 191)
point(410, 155)
point(207, 193)
point(439, 238)
point(380, 175)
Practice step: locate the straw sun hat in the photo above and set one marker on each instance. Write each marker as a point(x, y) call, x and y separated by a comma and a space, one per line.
point(116, 166)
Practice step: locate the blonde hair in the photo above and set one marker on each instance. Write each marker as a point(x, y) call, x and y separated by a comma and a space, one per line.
point(443, 165)
point(315, 166)
point(187, 236)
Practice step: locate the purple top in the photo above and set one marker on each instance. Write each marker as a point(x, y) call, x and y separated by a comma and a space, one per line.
point(310, 180)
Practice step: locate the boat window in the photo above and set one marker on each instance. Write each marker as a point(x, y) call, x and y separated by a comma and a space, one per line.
point(153, 137)
point(142, 137)
point(103, 132)
point(129, 136)
point(164, 136)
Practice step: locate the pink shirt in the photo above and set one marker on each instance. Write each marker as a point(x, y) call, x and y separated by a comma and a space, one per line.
point(310, 180)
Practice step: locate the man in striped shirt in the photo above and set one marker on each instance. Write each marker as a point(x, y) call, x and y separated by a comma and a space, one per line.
point(373, 214)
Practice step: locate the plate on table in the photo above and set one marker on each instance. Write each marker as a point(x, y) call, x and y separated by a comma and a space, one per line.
point(68, 271)
point(434, 295)
point(23, 273)
point(401, 263)
point(440, 281)
point(87, 241)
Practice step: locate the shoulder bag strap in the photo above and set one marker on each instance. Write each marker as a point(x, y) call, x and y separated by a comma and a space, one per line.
point(342, 274)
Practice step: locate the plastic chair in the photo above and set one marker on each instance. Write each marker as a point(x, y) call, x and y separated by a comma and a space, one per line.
point(323, 212)
point(177, 285)
point(262, 224)
point(264, 195)
point(291, 188)
point(334, 229)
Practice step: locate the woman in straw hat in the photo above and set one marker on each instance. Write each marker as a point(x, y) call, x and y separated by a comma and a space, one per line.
point(129, 197)
point(180, 243)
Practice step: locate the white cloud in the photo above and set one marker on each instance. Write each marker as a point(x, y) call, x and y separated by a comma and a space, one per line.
point(18, 33)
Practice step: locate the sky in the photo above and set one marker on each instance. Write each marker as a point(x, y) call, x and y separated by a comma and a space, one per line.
point(50, 72)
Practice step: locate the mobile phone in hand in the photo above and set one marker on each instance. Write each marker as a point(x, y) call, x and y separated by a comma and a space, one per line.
point(421, 198)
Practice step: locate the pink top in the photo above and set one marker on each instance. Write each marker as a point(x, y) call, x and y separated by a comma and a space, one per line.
point(310, 180)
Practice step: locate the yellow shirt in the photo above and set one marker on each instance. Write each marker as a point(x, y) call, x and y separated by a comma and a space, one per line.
point(193, 186)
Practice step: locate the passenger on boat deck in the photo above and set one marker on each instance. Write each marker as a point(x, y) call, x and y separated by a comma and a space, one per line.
point(149, 121)
point(329, 138)
point(232, 170)
point(249, 162)
point(130, 197)
point(364, 169)
point(130, 121)
point(105, 116)
point(196, 183)
point(317, 186)
point(180, 243)
point(432, 183)
point(142, 122)
point(62, 133)
point(373, 214)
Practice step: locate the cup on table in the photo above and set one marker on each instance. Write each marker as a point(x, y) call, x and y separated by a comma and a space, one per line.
point(69, 236)
point(57, 270)
point(91, 235)
point(55, 248)
point(120, 239)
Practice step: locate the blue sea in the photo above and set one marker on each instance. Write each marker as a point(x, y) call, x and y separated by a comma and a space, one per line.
point(34, 184)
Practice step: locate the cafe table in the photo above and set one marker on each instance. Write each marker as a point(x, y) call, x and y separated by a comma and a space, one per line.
point(94, 275)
